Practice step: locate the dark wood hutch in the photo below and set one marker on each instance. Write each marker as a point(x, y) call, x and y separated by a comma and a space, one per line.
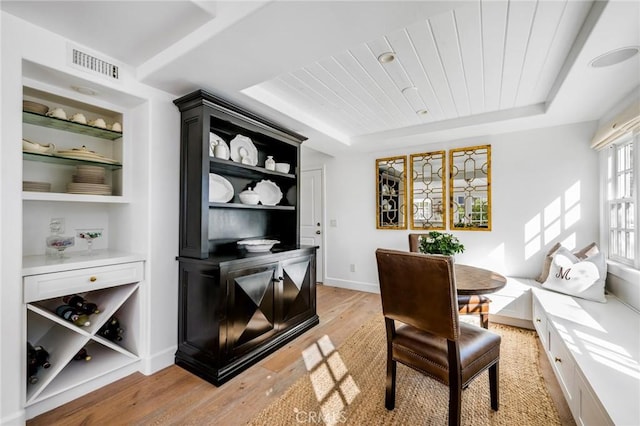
point(237, 307)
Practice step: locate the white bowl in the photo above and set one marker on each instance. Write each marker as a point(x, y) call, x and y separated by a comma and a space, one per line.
point(249, 197)
point(256, 246)
point(283, 167)
point(36, 147)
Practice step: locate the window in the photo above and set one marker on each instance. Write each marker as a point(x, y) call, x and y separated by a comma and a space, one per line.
point(622, 200)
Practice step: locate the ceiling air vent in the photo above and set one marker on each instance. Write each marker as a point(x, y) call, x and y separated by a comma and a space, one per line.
point(91, 63)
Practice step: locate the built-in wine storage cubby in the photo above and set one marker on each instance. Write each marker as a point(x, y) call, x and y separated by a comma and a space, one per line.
point(114, 288)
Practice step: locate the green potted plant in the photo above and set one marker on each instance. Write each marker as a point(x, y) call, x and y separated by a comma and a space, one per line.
point(440, 243)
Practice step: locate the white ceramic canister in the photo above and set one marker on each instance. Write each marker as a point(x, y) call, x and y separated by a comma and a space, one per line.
point(221, 151)
point(270, 164)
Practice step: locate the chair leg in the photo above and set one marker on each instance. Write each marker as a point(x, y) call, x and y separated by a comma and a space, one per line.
point(493, 386)
point(390, 394)
point(455, 404)
point(455, 383)
point(484, 321)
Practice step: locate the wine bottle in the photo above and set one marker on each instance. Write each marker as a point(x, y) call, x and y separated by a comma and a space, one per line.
point(32, 365)
point(78, 302)
point(112, 330)
point(37, 357)
point(82, 355)
point(70, 314)
point(42, 357)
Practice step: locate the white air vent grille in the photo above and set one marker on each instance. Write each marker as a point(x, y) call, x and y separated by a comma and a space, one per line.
point(94, 64)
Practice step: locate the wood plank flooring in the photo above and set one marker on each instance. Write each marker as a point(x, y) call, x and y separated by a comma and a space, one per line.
point(174, 396)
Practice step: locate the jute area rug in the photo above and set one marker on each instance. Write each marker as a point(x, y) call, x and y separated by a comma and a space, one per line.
point(347, 385)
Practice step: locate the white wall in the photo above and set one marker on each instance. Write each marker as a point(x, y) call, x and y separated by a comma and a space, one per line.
point(544, 190)
point(148, 224)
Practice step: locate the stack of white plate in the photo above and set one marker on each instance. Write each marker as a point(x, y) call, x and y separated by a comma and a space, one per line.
point(89, 180)
point(36, 186)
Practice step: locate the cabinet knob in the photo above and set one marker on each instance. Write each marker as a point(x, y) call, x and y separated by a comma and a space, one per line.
point(93, 279)
point(318, 232)
point(537, 319)
point(557, 359)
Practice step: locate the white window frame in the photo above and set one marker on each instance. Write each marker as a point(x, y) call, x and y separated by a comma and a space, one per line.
point(608, 184)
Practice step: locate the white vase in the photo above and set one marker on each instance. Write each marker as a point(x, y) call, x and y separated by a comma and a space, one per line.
point(270, 164)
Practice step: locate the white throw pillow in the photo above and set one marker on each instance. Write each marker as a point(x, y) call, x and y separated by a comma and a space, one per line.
point(580, 278)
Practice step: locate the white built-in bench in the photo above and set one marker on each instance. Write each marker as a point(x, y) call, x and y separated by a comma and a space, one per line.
point(512, 304)
point(594, 348)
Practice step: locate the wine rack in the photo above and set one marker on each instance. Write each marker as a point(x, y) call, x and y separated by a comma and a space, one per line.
point(63, 339)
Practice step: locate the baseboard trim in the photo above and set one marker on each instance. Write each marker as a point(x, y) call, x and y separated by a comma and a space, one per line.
point(352, 285)
point(158, 361)
point(515, 322)
point(17, 419)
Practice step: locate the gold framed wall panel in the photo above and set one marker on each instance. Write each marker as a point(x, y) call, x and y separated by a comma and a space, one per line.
point(428, 190)
point(391, 184)
point(470, 188)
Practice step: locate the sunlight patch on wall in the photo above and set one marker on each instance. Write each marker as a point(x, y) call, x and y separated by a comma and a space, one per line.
point(332, 384)
point(532, 241)
point(570, 241)
point(532, 247)
point(553, 222)
point(552, 232)
point(572, 205)
point(532, 228)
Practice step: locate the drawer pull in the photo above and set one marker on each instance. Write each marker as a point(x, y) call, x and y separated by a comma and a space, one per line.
point(558, 359)
point(93, 279)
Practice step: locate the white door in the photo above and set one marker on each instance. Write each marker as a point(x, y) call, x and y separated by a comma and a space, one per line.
point(311, 214)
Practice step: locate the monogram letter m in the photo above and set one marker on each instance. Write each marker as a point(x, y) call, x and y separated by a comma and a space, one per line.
point(563, 275)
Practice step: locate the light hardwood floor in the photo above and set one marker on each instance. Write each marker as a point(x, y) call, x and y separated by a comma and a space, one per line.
point(174, 396)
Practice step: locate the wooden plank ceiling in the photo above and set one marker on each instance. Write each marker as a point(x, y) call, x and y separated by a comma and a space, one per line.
point(479, 57)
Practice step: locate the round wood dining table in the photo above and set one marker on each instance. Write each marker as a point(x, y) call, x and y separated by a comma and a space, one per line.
point(474, 280)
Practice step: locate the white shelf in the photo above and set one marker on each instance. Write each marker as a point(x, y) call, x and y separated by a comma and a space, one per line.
point(41, 264)
point(76, 198)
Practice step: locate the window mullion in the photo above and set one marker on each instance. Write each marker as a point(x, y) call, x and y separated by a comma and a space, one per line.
point(636, 197)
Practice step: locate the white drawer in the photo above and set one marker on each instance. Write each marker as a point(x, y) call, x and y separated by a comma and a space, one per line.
point(562, 363)
point(540, 323)
point(589, 411)
point(56, 284)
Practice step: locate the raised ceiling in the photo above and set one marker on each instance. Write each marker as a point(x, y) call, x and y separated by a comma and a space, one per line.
point(472, 59)
point(475, 67)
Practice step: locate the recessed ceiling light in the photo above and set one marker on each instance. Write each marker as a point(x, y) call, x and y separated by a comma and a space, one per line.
point(84, 90)
point(387, 57)
point(615, 57)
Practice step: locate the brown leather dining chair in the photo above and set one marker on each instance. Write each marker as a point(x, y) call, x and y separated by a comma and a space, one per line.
point(419, 291)
point(468, 304)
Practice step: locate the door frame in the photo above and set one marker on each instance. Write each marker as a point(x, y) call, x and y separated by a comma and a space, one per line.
point(323, 214)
